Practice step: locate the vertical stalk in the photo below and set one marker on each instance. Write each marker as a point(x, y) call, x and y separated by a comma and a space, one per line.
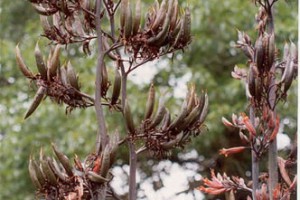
point(254, 160)
point(272, 151)
point(102, 137)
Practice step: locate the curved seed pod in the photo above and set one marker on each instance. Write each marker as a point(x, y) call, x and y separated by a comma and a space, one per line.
point(286, 51)
point(40, 62)
point(45, 24)
point(32, 174)
point(251, 79)
point(105, 163)
point(24, 69)
point(186, 37)
point(160, 15)
point(105, 83)
point(116, 87)
point(179, 119)
point(259, 54)
point(166, 120)
point(123, 13)
point(63, 75)
point(114, 147)
point(128, 21)
point(49, 175)
point(44, 11)
point(96, 177)
point(172, 143)
point(191, 98)
point(137, 18)
point(159, 39)
point(39, 174)
point(193, 116)
point(150, 102)
point(293, 52)
point(174, 15)
point(63, 159)
point(36, 101)
point(72, 77)
point(288, 76)
point(54, 62)
point(204, 110)
point(56, 169)
point(161, 111)
point(271, 51)
point(128, 119)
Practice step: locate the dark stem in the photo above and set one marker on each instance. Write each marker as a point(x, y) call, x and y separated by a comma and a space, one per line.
point(254, 159)
point(102, 137)
point(272, 157)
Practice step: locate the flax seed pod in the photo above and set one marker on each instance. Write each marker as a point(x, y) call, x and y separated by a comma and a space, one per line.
point(180, 117)
point(156, 120)
point(160, 15)
point(128, 118)
point(204, 110)
point(116, 87)
point(271, 51)
point(150, 102)
point(32, 174)
point(96, 177)
point(54, 62)
point(24, 69)
point(47, 171)
point(39, 174)
point(72, 77)
point(37, 99)
point(259, 54)
point(56, 169)
point(105, 163)
point(128, 21)
point(174, 15)
point(123, 8)
point(137, 18)
point(40, 62)
point(63, 75)
point(172, 143)
point(251, 79)
point(288, 75)
point(64, 160)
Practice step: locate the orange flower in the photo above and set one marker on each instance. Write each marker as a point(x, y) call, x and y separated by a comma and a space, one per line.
point(232, 150)
point(212, 191)
point(276, 129)
point(249, 125)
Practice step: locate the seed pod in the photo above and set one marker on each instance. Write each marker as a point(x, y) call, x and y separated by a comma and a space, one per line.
point(204, 110)
point(116, 87)
point(63, 75)
point(128, 21)
point(258, 89)
point(54, 62)
point(36, 101)
point(191, 98)
point(137, 18)
point(286, 52)
point(193, 116)
point(271, 51)
point(252, 75)
point(56, 169)
point(114, 147)
point(166, 120)
point(72, 77)
point(172, 143)
point(124, 5)
point(96, 177)
point(45, 24)
point(161, 111)
point(160, 15)
point(128, 118)
point(39, 174)
point(44, 11)
point(47, 171)
point(105, 163)
point(174, 15)
point(259, 54)
point(293, 52)
point(288, 76)
point(32, 174)
point(40, 62)
point(64, 160)
point(150, 102)
point(24, 69)
point(186, 37)
point(105, 83)
point(179, 119)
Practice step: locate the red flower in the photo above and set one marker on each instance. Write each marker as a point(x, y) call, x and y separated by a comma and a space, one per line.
point(232, 150)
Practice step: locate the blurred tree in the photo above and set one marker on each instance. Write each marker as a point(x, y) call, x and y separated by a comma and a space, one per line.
point(208, 61)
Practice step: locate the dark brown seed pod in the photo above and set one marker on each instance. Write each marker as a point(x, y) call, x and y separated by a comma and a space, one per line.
point(180, 117)
point(32, 174)
point(252, 75)
point(36, 101)
point(116, 87)
point(128, 119)
point(47, 171)
point(72, 77)
point(204, 110)
point(54, 62)
point(137, 18)
point(259, 54)
point(159, 114)
point(56, 169)
point(160, 15)
point(172, 143)
point(150, 102)
point(64, 160)
point(41, 66)
point(128, 22)
point(24, 69)
point(105, 164)
point(39, 174)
